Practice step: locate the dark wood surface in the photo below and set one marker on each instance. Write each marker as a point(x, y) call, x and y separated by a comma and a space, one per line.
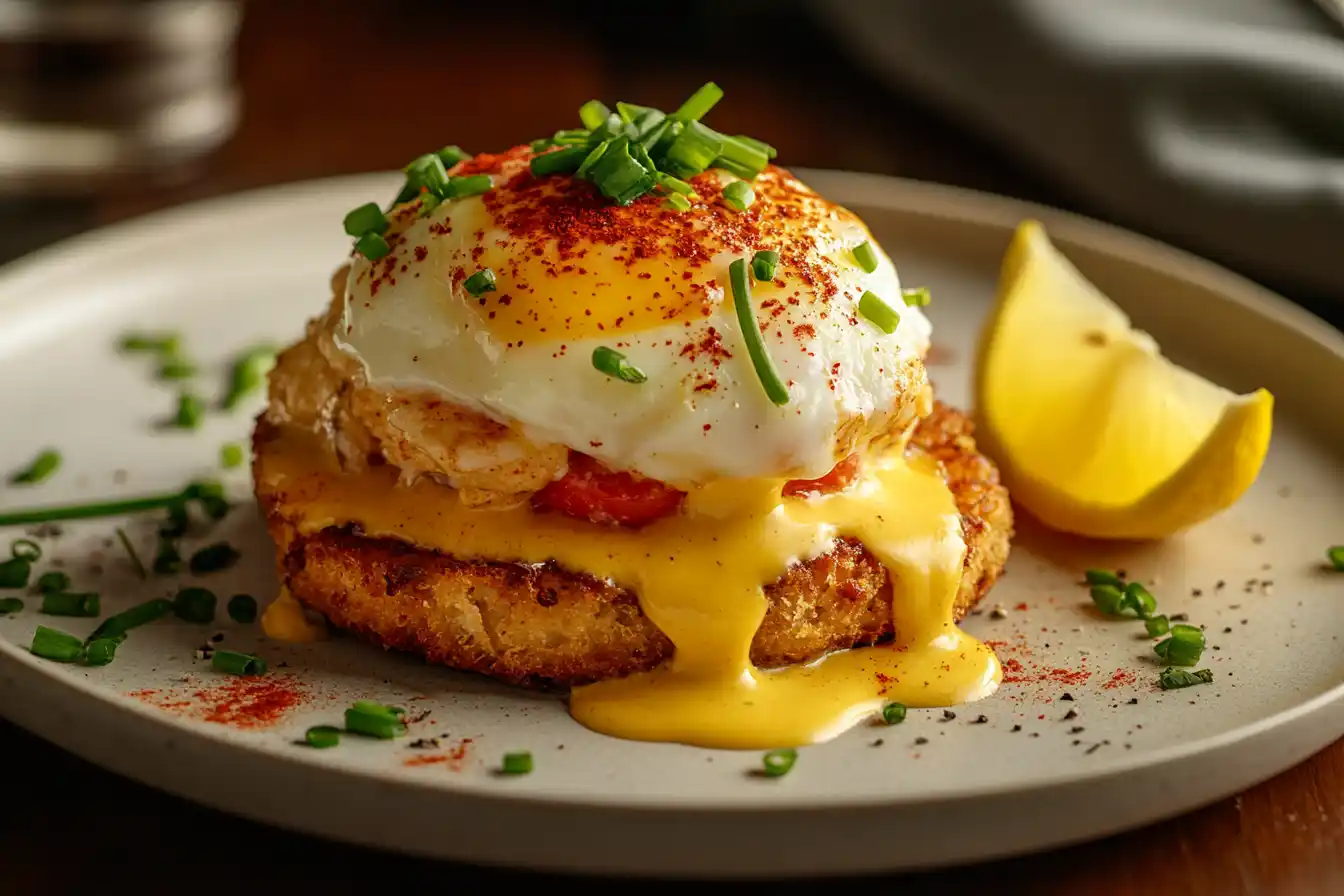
point(367, 86)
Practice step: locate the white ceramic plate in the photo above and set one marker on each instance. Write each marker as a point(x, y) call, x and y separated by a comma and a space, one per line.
point(230, 272)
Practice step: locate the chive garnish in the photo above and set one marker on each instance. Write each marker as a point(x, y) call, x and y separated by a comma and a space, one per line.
point(195, 605)
point(1336, 557)
point(1183, 648)
point(562, 161)
point(751, 334)
point(451, 155)
point(619, 175)
point(53, 581)
point(368, 218)
point(1156, 625)
point(885, 317)
point(231, 455)
point(481, 282)
point(63, 603)
point(763, 265)
point(167, 559)
point(213, 558)
point(1179, 678)
point(243, 608)
point(117, 626)
point(1107, 598)
point(209, 494)
point(157, 343)
point(190, 410)
point(176, 369)
point(25, 549)
point(470, 185)
point(893, 713)
point(131, 552)
point(1139, 600)
point(916, 297)
point(100, 652)
point(374, 720)
point(678, 202)
point(322, 736)
point(866, 256)
point(237, 663)
point(10, 605)
point(14, 573)
point(777, 763)
point(593, 113)
point(519, 763)
point(42, 467)
point(698, 104)
point(1104, 577)
point(739, 195)
point(51, 644)
point(614, 365)
point(248, 374)
point(372, 246)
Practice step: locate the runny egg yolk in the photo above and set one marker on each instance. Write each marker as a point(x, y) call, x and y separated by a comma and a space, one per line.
point(699, 577)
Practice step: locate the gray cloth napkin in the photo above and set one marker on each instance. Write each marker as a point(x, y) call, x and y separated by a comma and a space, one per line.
point(1217, 125)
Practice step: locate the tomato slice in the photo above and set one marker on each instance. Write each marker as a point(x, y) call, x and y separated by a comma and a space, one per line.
point(841, 475)
point(592, 492)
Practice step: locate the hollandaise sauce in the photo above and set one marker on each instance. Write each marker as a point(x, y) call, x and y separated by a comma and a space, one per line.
point(699, 576)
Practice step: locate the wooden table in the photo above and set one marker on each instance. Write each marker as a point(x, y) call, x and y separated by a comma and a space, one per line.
point(367, 86)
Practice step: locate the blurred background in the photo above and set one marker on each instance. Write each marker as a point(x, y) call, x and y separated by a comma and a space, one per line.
point(1217, 125)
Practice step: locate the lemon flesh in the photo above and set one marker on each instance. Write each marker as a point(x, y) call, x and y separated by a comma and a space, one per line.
point(1095, 432)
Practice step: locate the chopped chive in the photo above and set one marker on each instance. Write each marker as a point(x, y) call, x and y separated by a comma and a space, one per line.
point(176, 369)
point(156, 343)
point(1336, 557)
point(42, 467)
point(516, 763)
point(885, 317)
point(63, 603)
point(195, 605)
point(1183, 648)
point(571, 136)
point(167, 559)
point(593, 113)
point(429, 202)
point(650, 121)
point(751, 334)
point(322, 736)
point(243, 608)
point(592, 158)
point(740, 158)
point(675, 185)
point(373, 723)
point(693, 151)
point(777, 763)
point(248, 374)
point(698, 104)
point(10, 605)
point(372, 246)
point(1156, 625)
point(916, 297)
point(1179, 678)
point(368, 218)
point(51, 644)
point(739, 195)
point(763, 265)
point(25, 549)
point(893, 713)
point(100, 651)
point(132, 553)
point(426, 172)
point(1108, 599)
point(1104, 577)
point(1139, 600)
point(375, 707)
point(866, 256)
point(620, 176)
point(210, 495)
point(451, 155)
point(141, 614)
point(470, 185)
point(14, 573)
point(231, 455)
point(678, 202)
point(190, 410)
point(560, 161)
point(53, 581)
point(769, 151)
point(481, 282)
point(213, 558)
point(614, 365)
point(237, 663)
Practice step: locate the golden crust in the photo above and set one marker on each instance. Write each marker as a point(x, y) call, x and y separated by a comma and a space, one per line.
point(540, 625)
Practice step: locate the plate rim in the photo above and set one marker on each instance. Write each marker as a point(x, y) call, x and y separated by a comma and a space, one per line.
point(968, 207)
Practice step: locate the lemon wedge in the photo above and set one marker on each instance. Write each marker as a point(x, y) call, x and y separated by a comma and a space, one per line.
point(1095, 432)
